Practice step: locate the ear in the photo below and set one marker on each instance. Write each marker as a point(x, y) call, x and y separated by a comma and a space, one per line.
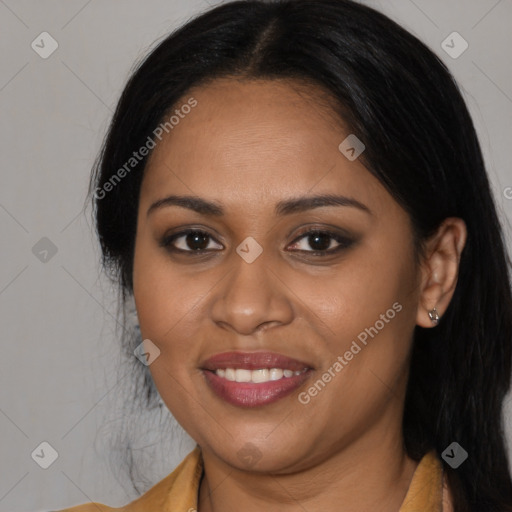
point(440, 269)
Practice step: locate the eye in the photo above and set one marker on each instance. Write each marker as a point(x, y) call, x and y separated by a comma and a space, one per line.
point(197, 242)
point(192, 241)
point(322, 242)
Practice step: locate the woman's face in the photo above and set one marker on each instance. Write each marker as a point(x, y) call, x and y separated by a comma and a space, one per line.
point(341, 303)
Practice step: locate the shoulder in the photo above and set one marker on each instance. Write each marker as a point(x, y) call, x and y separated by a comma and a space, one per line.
point(427, 488)
point(180, 486)
point(89, 507)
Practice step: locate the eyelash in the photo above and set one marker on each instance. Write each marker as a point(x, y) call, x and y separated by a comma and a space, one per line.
point(344, 242)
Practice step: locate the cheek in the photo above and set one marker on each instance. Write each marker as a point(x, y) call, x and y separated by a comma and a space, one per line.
point(362, 294)
point(166, 301)
point(161, 294)
point(171, 301)
point(372, 318)
point(381, 331)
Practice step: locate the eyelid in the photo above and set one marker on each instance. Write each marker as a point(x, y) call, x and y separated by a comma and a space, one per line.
point(168, 239)
point(343, 239)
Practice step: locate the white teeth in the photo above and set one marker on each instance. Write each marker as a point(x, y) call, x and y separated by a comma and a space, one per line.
point(256, 376)
point(243, 375)
point(259, 375)
point(230, 374)
point(276, 374)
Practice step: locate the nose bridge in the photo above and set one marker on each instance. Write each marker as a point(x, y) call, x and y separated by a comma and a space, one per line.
point(249, 281)
point(251, 295)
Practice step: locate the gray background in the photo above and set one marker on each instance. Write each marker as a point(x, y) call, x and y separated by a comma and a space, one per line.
point(60, 357)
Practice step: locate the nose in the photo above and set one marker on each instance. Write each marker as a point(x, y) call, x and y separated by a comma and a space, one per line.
point(252, 297)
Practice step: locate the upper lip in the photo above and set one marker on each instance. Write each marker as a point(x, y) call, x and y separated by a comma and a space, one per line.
point(253, 361)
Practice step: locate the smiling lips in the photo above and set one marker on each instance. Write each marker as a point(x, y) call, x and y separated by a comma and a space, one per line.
point(252, 379)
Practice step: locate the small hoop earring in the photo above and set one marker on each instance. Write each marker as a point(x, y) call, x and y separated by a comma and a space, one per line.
point(434, 316)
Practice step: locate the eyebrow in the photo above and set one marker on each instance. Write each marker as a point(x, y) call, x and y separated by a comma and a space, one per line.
point(287, 207)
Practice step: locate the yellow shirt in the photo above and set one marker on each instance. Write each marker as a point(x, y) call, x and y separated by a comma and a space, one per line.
point(179, 490)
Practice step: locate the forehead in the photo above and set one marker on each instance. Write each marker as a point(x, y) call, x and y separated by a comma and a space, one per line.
point(256, 140)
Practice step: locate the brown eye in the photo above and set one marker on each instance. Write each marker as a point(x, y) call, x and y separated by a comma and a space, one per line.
point(190, 240)
point(321, 242)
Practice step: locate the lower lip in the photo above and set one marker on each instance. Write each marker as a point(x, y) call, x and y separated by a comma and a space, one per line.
point(250, 394)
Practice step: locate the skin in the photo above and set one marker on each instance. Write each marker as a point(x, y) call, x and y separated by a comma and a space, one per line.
point(247, 145)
